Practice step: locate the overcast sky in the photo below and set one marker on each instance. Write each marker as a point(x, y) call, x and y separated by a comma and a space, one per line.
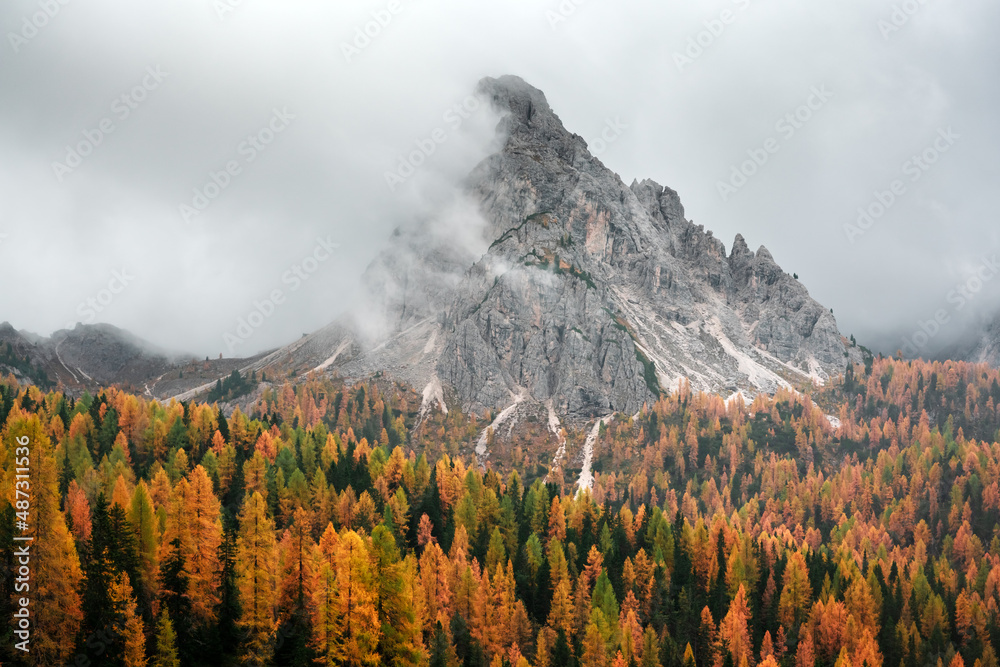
point(199, 77)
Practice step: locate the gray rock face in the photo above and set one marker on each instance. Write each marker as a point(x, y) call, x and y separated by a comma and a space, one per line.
point(987, 349)
point(588, 295)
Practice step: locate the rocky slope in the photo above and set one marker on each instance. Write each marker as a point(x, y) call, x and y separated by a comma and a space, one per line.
point(587, 296)
point(986, 350)
point(91, 356)
point(88, 356)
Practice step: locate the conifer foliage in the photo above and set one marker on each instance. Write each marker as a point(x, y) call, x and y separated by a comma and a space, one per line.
point(321, 524)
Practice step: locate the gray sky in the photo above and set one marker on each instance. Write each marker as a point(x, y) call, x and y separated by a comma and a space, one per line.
point(221, 73)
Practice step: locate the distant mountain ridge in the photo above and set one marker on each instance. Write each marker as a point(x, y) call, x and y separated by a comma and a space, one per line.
point(89, 357)
point(83, 357)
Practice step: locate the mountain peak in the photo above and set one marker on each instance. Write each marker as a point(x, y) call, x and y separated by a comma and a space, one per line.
point(591, 298)
point(526, 103)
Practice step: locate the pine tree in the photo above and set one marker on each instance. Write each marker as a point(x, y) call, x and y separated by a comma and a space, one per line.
point(228, 611)
point(166, 644)
point(142, 520)
point(255, 575)
point(442, 652)
point(174, 597)
point(561, 653)
point(399, 639)
point(650, 648)
point(103, 563)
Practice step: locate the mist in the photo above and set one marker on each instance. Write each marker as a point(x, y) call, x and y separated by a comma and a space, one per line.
point(167, 168)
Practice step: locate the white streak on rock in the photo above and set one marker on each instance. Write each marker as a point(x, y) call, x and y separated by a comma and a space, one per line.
point(586, 480)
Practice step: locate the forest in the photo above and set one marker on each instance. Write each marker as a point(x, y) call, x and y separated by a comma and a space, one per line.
point(337, 524)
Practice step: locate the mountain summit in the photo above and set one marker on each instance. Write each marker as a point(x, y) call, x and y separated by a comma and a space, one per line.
point(585, 295)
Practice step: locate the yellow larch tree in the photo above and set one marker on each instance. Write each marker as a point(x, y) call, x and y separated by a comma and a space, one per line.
point(358, 626)
point(255, 580)
point(128, 625)
point(56, 576)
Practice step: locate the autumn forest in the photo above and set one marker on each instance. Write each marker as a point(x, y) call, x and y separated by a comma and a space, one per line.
point(326, 523)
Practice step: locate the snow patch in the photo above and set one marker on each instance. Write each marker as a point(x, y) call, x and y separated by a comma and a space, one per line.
point(75, 378)
point(507, 413)
point(553, 420)
point(328, 362)
point(430, 342)
point(432, 394)
point(191, 393)
point(586, 480)
point(815, 371)
point(757, 375)
point(556, 428)
point(401, 334)
point(149, 390)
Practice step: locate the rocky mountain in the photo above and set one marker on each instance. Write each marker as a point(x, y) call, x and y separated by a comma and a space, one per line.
point(91, 356)
point(86, 356)
point(577, 295)
point(550, 287)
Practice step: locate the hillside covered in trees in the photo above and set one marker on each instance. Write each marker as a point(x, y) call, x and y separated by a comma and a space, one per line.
point(337, 525)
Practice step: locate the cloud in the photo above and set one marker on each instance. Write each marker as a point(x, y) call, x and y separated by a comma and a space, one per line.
point(354, 117)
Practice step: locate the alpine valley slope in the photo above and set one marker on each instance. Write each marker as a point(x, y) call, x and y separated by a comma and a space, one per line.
point(586, 297)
